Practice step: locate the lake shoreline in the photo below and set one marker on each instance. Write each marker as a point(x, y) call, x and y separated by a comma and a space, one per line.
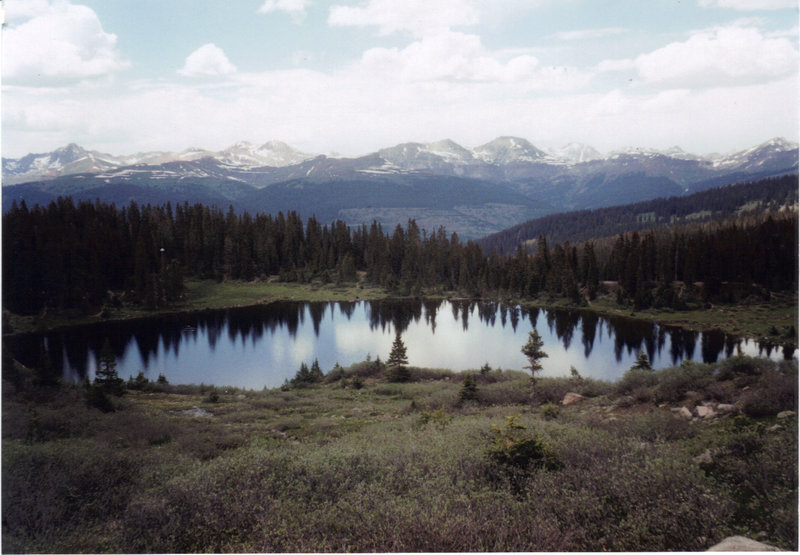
point(746, 321)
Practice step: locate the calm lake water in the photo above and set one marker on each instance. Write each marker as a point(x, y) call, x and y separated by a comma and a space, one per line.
point(262, 346)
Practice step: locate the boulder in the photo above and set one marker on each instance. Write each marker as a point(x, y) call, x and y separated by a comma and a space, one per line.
point(786, 414)
point(571, 399)
point(705, 412)
point(683, 412)
point(724, 408)
point(740, 543)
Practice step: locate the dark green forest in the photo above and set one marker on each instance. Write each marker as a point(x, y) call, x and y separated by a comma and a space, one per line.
point(84, 256)
point(714, 204)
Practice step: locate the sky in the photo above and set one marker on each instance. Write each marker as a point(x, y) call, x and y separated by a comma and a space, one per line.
point(349, 77)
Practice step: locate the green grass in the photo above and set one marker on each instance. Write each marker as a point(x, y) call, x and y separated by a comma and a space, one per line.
point(754, 320)
point(404, 466)
point(213, 294)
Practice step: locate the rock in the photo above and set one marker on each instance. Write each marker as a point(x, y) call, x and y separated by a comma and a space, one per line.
point(683, 412)
point(724, 408)
point(571, 399)
point(705, 412)
point(775, 428)
point(705, 457)
point(786, 414)
point(197, 412)
point(740, 543)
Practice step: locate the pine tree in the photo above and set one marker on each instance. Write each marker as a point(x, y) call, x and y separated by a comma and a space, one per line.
point(315, 374)
point(397, 361)
point(469, 389)
point(642, 362)
point(107, 379)
point(533, 351)
point(398, 353)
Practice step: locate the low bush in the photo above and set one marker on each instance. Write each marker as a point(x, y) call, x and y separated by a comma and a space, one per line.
point(552, 390)
point(675, 382)
point(509, 447)
point(774, 392)
point(635, 379)
point(741, 365)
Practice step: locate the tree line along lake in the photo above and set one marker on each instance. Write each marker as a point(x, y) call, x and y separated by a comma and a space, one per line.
point(262, 346)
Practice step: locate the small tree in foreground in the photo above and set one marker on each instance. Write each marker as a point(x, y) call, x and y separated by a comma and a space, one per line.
point(107, 379)
point(533, 351)
point(642, 362)
point(469, 389)
point(397, 361)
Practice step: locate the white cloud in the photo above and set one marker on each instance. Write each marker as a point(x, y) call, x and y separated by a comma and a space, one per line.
point(420, 17)
point(588, 34)
point(295, 8)
point(24, 9)
point(447, 55)
point(625, 64)
point(57, 44)
point(209, 60)
point(720, 56)
point(749, 5)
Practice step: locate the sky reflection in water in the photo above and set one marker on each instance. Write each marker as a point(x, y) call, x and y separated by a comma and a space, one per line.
point(262, 346)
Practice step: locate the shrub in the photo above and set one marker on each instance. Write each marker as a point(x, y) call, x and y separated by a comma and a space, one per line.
point(212, 397)
point(96, 397)
point(550, 411)
point(398, 373)
point(774, 393)
point(674, 383)
point(139, 383)
point(635, 379)
point(508, 448)
point(438, 417)
point(513, 392)
point(741, 365)
point(552, 390)
point(642, 394)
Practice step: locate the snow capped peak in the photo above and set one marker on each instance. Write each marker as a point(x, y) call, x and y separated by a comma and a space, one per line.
point(271, 153)
point(450, 151)
point(634, 151)
point(776, 149)
point(576, 153)
point(506, 150)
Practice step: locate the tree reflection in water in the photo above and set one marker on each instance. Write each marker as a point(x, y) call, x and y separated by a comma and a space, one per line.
point(74, 351)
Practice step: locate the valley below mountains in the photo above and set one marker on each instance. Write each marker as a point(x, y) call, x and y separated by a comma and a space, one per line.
point(473, 192)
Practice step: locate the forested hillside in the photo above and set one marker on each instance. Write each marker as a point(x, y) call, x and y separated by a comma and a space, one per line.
point(714, 204)
point(84, 256)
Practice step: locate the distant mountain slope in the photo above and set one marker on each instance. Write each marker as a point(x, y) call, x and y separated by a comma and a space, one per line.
point(581, 225)
point(469, 207)
point(491, 187)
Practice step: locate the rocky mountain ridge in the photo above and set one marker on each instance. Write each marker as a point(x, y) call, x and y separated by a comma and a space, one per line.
point(445, 157)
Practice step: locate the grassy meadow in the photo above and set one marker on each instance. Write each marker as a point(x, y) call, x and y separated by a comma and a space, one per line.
point(357, 463)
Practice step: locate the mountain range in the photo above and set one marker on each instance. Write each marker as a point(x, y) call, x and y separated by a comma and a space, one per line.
point(471, 191)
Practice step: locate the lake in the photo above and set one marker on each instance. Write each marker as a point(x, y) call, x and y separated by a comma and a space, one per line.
point(262, 346)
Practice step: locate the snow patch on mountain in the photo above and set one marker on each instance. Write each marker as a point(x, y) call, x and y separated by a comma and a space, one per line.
point(509, 150)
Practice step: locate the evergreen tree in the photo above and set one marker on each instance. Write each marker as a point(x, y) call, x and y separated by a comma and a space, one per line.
point(642, 362)
point(303, 375)
point(107, 380)
point(398, 353)
point(397, 361)
point(533, 351)
point(469, 389)
point(315, 374)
